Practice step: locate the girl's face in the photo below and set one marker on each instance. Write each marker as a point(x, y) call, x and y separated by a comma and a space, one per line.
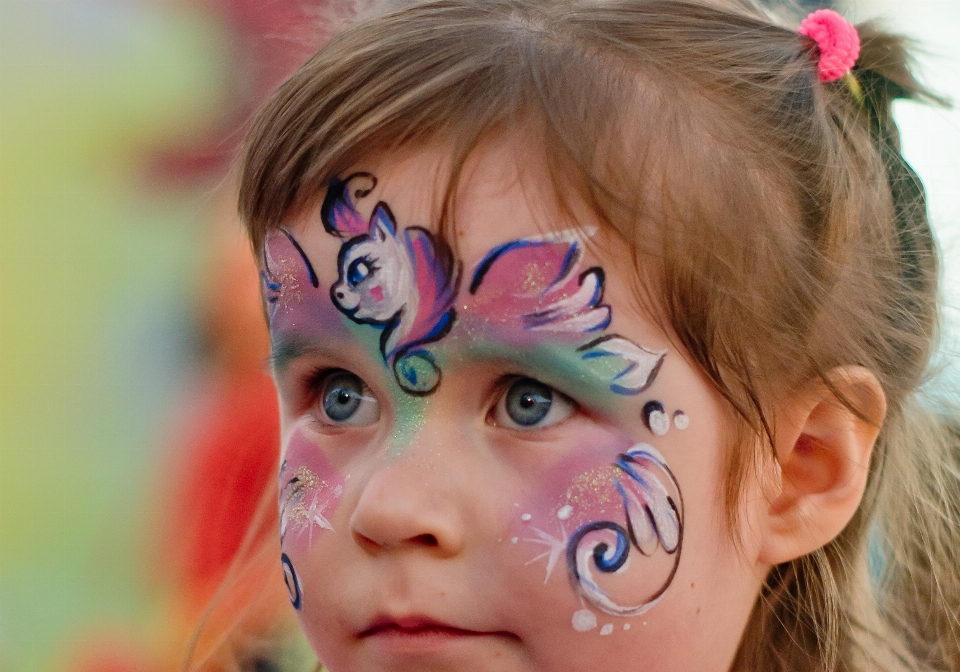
point(491, 460)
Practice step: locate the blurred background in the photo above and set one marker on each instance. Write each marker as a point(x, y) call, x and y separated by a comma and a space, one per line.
point(131, 344)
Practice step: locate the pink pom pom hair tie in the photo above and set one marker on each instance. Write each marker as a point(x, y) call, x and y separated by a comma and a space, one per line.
point(837, 41)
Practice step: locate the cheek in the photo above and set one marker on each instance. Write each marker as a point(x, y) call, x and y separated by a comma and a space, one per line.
point(604, 526)
point(310, 492)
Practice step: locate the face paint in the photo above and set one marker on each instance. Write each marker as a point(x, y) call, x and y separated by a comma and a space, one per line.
point(541, 541)
point(652, 518)
point(402, 282)
point(310, 490)
point(405, 283)
point(292, 582)
point(534, 285)
point(298, 310)
point(528, 296)
point(618, 528)
point(656, 418)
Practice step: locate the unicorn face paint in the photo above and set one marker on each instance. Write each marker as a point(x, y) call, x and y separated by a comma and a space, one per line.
point(492, 461)
point(402, 282)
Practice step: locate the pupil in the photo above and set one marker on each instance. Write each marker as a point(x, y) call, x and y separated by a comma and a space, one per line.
point(528, 402)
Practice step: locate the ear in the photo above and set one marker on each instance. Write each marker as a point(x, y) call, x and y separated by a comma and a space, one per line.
point(823, 450)
point(381, 223)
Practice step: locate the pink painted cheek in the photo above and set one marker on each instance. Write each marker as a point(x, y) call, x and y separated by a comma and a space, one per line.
point(310, 492)
point(571, 493)
point(377, 293)
point(610, 523)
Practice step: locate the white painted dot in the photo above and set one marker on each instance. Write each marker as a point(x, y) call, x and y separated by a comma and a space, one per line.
point(565, 512)
point(584, 620)
point(514, 540)
point(525, 517)
point(517, 504)
point(659, 423)
point(644, 622)
point(500, 541)
point(681, 421)
point(626, 626)
point(606, 629)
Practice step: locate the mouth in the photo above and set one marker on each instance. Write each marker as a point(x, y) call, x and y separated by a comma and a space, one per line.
point(421, 632)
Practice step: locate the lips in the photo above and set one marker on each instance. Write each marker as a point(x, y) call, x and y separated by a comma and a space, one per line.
point(415, 626)
point(420, 631)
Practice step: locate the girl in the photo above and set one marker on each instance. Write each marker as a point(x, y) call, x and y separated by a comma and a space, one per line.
point(597, 328)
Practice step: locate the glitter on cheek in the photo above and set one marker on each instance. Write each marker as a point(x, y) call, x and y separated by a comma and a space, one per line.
point(616, 525)
point(576, 490)
point(592, 494)
point(310, 492)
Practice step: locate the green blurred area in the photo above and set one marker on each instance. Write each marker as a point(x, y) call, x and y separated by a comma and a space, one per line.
point(96, 265)
point(97, 269)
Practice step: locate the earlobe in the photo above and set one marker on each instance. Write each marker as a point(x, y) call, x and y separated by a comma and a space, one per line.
point(823, 450)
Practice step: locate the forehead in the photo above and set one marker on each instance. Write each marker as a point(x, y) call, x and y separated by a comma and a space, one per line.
point(504, 192)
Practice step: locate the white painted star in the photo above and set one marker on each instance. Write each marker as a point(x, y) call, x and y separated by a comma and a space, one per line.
point(556, 546)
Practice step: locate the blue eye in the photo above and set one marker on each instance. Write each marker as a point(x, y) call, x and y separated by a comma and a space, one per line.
point(529, 404)
point(346, 400)
point(357, 271)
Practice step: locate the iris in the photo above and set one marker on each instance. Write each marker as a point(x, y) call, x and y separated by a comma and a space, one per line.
point(528, 401)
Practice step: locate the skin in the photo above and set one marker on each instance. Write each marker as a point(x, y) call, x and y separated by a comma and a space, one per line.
point(434, 503)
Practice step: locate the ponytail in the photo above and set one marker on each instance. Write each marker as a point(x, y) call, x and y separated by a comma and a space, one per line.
point(915, 499)
point(918, 534)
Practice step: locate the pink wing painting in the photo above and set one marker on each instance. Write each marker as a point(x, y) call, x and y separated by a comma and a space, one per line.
point(536, 284)
point(285, 275)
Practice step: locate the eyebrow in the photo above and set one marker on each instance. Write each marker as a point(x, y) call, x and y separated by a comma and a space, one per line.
point(286, 349)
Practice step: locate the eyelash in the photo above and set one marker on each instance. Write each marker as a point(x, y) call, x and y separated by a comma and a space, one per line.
point(313, 382)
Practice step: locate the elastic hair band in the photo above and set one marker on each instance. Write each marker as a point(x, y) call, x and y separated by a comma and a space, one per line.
point(839, 46)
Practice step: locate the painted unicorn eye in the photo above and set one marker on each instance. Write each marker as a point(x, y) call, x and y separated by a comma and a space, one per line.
point(358, 271)
point(529, 404)
point(346, 400)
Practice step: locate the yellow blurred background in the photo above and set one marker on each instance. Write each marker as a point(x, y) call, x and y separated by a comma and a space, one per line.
point(117, 122)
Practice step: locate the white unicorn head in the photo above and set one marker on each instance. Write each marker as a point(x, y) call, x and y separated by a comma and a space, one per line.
point(402, 282)
point(376, 277)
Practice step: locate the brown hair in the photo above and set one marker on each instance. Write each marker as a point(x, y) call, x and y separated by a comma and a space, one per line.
point(778, 231)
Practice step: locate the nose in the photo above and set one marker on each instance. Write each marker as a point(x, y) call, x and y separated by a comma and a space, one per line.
point(344, 298)
point(411, 502)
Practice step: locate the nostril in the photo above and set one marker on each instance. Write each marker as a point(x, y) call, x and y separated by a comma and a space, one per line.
point(426, 540)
